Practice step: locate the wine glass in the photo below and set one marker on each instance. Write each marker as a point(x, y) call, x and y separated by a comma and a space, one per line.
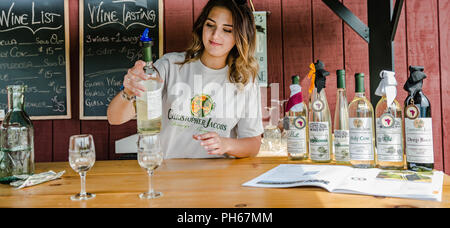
point(282, 111)
point(81, 159)
point(271, 135)
point(281, 124)
point(150, 157)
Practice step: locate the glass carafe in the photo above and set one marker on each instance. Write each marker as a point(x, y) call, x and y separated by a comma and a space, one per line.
point(17, 137)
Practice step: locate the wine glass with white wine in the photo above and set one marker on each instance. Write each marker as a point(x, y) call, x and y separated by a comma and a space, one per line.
point(150, 157)
point(81, 159)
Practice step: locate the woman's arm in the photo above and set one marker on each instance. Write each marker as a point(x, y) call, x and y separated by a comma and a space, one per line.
point(121, 110)
point(244, 147)
point(240, 148)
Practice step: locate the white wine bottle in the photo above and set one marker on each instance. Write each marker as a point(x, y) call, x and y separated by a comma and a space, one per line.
point(149, 104)
point(320, 145)
point(341, 125)
point(418, 123)
point(297, 127)
point(362, 132)
point(388, 123)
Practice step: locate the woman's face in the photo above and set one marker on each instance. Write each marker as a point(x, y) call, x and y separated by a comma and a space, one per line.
point(217, 35)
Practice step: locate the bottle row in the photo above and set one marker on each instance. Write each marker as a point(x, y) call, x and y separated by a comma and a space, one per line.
point(363, 137)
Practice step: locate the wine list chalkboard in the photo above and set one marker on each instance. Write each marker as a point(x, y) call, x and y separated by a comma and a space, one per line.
point(110, 33)
point(34, 46)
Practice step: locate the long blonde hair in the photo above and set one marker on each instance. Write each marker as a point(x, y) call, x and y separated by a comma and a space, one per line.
point(241, 61)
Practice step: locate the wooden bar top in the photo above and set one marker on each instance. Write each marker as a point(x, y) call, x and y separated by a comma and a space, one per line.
point(192, 183)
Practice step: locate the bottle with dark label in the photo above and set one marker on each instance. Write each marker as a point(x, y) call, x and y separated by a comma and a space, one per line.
point(418, 123)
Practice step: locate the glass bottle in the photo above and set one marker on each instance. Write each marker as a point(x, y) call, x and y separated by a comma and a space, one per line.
point(341, 126)
point(149, 105)
point(17, 137)
point(320, 145)
point(418, 123)
point(389, 129)
point(297, 127)
point(361, 126)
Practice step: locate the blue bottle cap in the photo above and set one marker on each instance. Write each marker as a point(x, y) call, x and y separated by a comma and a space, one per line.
point(145, 37)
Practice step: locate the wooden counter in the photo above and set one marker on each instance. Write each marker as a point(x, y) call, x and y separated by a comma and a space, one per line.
point(194, 183)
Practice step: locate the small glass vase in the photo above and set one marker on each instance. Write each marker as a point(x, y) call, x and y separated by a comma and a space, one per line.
point(17, 137)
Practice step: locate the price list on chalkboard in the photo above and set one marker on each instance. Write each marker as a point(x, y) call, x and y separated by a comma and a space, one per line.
point(110, 31)
point(34, 52)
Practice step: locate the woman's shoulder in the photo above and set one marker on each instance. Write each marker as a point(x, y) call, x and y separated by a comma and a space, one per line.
point(169, 61)
point(174, 57)
point(250, 86)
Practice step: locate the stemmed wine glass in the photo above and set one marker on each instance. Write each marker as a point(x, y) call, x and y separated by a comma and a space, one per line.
point(281, 110)
point(81, 159)
point(272, 135)
point(281, 123)
point(150, 157)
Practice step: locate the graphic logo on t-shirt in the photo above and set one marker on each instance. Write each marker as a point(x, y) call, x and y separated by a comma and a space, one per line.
point(201, 105)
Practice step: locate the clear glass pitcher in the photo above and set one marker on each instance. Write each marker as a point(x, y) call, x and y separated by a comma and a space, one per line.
point(17, 137)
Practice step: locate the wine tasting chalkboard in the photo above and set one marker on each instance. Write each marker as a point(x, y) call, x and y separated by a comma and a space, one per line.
point(34, 46)
point(109, 35)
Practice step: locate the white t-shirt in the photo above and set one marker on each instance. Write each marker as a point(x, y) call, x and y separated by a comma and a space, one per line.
point(198, 99)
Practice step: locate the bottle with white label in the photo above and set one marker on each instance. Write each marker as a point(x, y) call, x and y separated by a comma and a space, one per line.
point(297, 126)
point(149, 104)
point(320, 145)
point(361, 126)
point(418, 123)
point(389, 129)
point(341, 125)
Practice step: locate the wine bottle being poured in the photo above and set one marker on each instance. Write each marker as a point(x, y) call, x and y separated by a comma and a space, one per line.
point(149, 105)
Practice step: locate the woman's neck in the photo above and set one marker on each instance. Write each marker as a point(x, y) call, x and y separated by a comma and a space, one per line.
point(213, 62)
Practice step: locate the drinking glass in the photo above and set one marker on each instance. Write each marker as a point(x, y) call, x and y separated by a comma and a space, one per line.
point(283, 143)
point(282, 104)
point(81, 159)
point(272, 134)
point(150, 157)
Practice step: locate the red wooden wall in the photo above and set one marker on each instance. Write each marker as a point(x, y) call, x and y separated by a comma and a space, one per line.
point(299, 32)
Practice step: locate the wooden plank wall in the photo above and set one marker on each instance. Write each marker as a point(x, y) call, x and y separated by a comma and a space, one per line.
point(299, 32)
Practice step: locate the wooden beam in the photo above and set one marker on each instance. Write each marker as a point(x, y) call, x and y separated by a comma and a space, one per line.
point(395, 18)
point(348, 17)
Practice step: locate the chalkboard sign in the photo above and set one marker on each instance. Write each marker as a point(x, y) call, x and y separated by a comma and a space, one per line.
point(110, 32)
point(34, 51)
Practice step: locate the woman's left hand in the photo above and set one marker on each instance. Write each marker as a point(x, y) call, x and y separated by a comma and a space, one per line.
point(213, 143)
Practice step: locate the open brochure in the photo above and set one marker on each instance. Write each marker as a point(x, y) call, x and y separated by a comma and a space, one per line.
point(345, 179)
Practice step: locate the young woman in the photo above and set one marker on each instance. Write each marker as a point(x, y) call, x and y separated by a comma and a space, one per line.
point(218, 70)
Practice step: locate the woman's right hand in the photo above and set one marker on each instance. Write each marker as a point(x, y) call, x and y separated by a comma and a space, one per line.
point(133, 77)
